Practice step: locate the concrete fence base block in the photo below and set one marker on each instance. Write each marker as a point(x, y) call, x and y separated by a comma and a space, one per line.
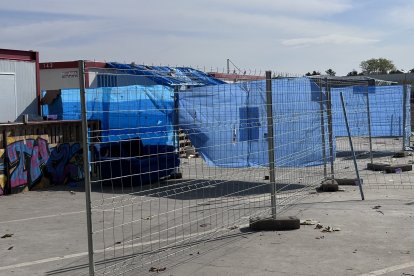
point(396, 168)
point(328, 186)
point(377, 166)
point(402, 154)
point(399, 168)
point(347, 181)
point(274, 224)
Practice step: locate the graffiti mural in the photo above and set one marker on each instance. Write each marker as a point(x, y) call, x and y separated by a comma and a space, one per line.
point(26, 158)
point(3, 178)
point(65, 164)
point(33, 163)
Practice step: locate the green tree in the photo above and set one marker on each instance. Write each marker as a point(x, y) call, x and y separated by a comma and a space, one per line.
point(314, 73)
point(330, 72)
point(352, 73)
point(377, 66)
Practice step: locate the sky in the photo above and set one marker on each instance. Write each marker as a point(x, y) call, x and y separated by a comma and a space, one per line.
point(292, 36)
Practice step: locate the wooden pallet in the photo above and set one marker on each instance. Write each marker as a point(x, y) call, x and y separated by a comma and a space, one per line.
point(185, 144)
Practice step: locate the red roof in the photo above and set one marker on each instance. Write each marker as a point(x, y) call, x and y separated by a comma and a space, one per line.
point(234, 77)
point(10, 54)
point(71, 64)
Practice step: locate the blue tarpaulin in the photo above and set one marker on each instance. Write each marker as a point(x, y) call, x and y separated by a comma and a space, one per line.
point(228, 123)
point(164, 75)
point(386, 104)
point(124, 112)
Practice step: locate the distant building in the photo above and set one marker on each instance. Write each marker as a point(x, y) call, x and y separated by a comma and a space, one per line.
point(233, 77)
point(19, 84)
point(402, 78)
point(65, 74)
point(407, 78)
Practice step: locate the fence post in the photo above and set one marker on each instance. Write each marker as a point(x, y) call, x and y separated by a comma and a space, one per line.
point(404, 130)
point(271, 142)
point(352, 147)
point(330, 131)
point(7, 187)
point(176, 118)
point(369, 127)
point(322, 110)
point(176, 128)
point(85, 150)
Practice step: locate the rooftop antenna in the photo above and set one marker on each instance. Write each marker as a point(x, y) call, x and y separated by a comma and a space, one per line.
point(228, 66)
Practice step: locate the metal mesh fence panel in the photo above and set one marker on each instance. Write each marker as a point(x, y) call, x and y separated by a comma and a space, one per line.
point(380, 128)
point(150, 204)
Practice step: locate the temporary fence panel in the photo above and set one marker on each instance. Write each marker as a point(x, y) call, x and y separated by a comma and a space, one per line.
point(243, 135)
point(379, 122)
point(141, 220)
point(386, 111)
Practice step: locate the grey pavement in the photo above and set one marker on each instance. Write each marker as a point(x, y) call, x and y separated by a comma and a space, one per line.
point(49, 238)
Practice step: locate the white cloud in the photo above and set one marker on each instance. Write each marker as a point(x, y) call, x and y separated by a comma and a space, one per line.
point(128, 8)
point(328, 39)
point(294, 35)
point(42, 33)
point(309, 8)
point(402, 15)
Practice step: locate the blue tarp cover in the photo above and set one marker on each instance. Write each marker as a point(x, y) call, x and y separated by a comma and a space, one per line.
point(386, 109)
point(124, 112)
point(169, 76)
point(228, 123)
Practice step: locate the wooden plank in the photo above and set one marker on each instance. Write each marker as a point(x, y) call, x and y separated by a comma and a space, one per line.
point(61, 128)
point(63, 133)
point(72, 132)
point(2, 140)
point(7, 187)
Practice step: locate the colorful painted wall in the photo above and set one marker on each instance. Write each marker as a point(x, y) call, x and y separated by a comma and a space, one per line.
point(3, 177)
point(40, 155)
point(34, 163)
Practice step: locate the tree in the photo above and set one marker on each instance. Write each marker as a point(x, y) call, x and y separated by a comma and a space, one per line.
point(377, 66)
point(330, 72)
point(352, 73)
point(314, 73)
